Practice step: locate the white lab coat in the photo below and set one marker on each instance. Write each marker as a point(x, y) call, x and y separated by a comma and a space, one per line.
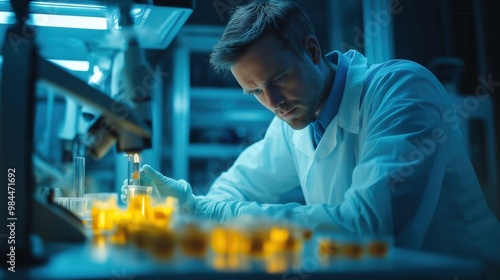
point(391, 162)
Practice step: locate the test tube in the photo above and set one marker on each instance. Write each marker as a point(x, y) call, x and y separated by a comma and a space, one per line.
point(79, 182)
point(135, 171)
point(129, 168)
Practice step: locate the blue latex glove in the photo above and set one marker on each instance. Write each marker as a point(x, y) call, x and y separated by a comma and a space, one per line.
point(166, 186)
point(162, 186)
point(222, 211)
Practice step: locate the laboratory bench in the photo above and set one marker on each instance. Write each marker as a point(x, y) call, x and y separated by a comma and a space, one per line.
point(97, 258)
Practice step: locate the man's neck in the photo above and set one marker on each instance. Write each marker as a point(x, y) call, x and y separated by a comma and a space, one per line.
point(330, 69)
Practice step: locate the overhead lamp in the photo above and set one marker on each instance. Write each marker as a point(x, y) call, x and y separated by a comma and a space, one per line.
point(77, 24)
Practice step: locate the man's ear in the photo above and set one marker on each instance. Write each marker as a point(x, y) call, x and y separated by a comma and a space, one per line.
point(312, 48)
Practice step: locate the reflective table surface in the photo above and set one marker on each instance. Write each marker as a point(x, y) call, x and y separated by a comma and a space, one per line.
point(97, 258)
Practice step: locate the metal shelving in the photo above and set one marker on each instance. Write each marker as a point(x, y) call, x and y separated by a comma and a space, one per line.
point(213, 121)
point(222, 151)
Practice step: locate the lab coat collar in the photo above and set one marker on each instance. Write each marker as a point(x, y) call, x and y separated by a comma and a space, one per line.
point(348, 115)
point(332, 103)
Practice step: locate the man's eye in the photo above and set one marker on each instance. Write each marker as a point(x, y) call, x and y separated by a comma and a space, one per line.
point(256, 92)
point(280, 79)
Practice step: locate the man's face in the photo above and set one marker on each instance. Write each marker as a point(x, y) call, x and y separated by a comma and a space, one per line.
point(285, 84)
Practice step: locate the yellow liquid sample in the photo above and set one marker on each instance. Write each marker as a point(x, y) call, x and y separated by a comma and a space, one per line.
point(163, 243)
point(102, 217)
point(378, 249)
point(256, 243)
point(307, 234)
point(141, 233)
point(226, 241)
point(329, 248)
point(122, 220)
point(352, 250)
point(161, 215)
point(282, 239)
point(140, 205)
point(194, 243)
point(229, 262)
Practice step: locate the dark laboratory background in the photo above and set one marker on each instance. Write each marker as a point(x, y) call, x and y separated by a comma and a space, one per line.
point(206, 121)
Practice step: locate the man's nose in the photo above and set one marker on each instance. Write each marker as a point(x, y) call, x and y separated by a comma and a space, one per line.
point(275, 98)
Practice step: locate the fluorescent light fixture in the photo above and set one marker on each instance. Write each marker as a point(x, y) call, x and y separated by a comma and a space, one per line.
point(65, 21)
point(74, 65)
point(94, 23)
point(60, 23)
point(6, 18)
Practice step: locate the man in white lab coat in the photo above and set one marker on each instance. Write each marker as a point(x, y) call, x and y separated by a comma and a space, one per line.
point(375, 148)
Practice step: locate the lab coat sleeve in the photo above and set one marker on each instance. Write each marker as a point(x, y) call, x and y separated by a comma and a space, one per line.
point(406, 147)
point(402, 162)
point(261, 173)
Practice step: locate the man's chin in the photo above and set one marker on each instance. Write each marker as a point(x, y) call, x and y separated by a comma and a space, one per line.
point(296, 124)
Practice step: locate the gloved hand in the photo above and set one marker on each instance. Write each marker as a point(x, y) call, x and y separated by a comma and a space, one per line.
point(192, 205)
point(165, 186)
point(223, 211)
point(144, 181)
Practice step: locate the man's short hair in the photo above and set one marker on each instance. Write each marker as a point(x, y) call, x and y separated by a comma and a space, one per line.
point(250, 22)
